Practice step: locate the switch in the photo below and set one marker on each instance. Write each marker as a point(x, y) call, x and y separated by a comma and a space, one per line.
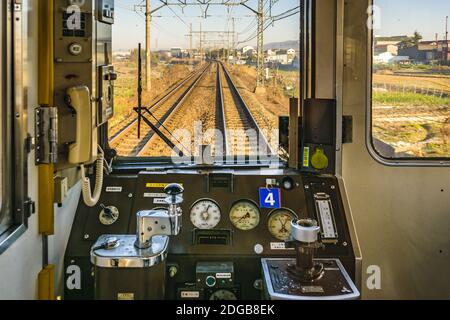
point(210, 281)
point(75, 49)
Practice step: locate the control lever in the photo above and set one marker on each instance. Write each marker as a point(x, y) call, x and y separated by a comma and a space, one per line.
point(160, 222)
point(305, 234)
point(109, 244)
point(106, 210)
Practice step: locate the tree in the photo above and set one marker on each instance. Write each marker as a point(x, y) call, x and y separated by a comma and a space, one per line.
point(413, 41)
point(416, 38)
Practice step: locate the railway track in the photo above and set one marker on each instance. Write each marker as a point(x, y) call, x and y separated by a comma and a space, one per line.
point(126, 141)
point(162, 117)
point(221, 120)
point(116, 135)
point(221, 103)
point(242, 133)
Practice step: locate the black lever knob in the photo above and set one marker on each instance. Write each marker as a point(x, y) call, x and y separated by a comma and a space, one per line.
point(174, 189)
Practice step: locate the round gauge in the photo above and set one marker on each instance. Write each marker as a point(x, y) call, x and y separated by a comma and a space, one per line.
point(223, 295)
point(205, 214)
point(109, 215)
point(245, 215)
point(280, 223)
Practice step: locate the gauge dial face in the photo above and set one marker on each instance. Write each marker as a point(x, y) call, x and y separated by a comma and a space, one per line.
point(245, 215)
point(280, 223)
point(205, 214)
point(109, 216)
point(223, 295)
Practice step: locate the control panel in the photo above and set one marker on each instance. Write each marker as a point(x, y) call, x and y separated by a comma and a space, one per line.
point(232, 220)
point(82, 57)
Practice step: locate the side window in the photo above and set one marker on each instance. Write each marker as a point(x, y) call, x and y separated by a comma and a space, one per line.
point(15, 207)
point(411, 79)
point(5, 217)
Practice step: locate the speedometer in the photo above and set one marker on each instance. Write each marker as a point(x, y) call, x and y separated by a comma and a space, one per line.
point(245, 215)
point(280, 223)
point(205, 214)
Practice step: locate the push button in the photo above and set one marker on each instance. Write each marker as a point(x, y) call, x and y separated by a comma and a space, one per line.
point(211, 281)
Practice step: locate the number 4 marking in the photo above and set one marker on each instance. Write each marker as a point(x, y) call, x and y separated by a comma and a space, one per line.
point(270, 200)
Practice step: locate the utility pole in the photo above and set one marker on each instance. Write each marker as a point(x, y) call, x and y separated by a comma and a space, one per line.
point(446, 39)
point(260, 45)
point(201, 47)
point(148, 54)
point(234, 36)
point(190, 41)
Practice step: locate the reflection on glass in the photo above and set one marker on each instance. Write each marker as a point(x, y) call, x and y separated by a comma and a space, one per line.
point(411, 79)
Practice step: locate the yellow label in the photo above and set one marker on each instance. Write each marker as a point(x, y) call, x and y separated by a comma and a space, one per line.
point(306, 157)
point(125, 296)
point(159, 185)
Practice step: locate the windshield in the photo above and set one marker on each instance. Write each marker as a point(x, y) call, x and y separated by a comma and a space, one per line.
point(213, 87)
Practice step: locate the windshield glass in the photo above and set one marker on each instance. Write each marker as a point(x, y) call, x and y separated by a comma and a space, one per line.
point(212, 85)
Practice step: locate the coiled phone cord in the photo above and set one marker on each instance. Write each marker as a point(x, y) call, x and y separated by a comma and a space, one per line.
point(92, 199)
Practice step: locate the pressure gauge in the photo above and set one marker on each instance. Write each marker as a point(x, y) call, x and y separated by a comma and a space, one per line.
point(279, 223)
point(205, 214)
point(108, 215)
point(223, 295)
point(245, 215)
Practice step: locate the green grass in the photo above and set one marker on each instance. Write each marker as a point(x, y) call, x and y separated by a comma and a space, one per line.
point(437, 150)
point(409, 133)
point(408, 99)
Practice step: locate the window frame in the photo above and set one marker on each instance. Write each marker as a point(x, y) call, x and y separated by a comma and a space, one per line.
point(392, 162)
point(14, 124)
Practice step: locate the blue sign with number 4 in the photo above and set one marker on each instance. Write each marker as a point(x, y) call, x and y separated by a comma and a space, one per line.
point(270, 198)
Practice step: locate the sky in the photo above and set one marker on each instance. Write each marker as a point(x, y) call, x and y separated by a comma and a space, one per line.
point(170, 26)
point(403, 17)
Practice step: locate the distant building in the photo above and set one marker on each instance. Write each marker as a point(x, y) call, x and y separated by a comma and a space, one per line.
point(247, 49)
point(121, 56)
point(165, 55)
point(176, 52)
point(282, 59)
point(426, 51)
point(386, 46)
point(292, 52)
point(387, 57)
point(296, 63)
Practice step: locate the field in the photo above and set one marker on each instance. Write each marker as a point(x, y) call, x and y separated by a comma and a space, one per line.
point(125, 95)
point(200, 106)
point(411, 106)
point(411, 111)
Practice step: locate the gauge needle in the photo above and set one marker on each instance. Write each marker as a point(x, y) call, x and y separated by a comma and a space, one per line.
point(283, 225)
point(246, 216)
point(205, 215)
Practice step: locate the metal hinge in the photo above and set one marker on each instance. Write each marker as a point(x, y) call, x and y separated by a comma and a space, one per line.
point(29, 207)
point(46, 135)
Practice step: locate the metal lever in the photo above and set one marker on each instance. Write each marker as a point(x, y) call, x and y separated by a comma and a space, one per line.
point(305, 240)
point(109, 244)
point(160, 222)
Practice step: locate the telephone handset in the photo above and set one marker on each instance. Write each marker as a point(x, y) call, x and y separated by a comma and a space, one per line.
point(85, 149)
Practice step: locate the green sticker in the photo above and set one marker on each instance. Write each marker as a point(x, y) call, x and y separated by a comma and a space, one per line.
point(319, 160)
point(306, 157)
